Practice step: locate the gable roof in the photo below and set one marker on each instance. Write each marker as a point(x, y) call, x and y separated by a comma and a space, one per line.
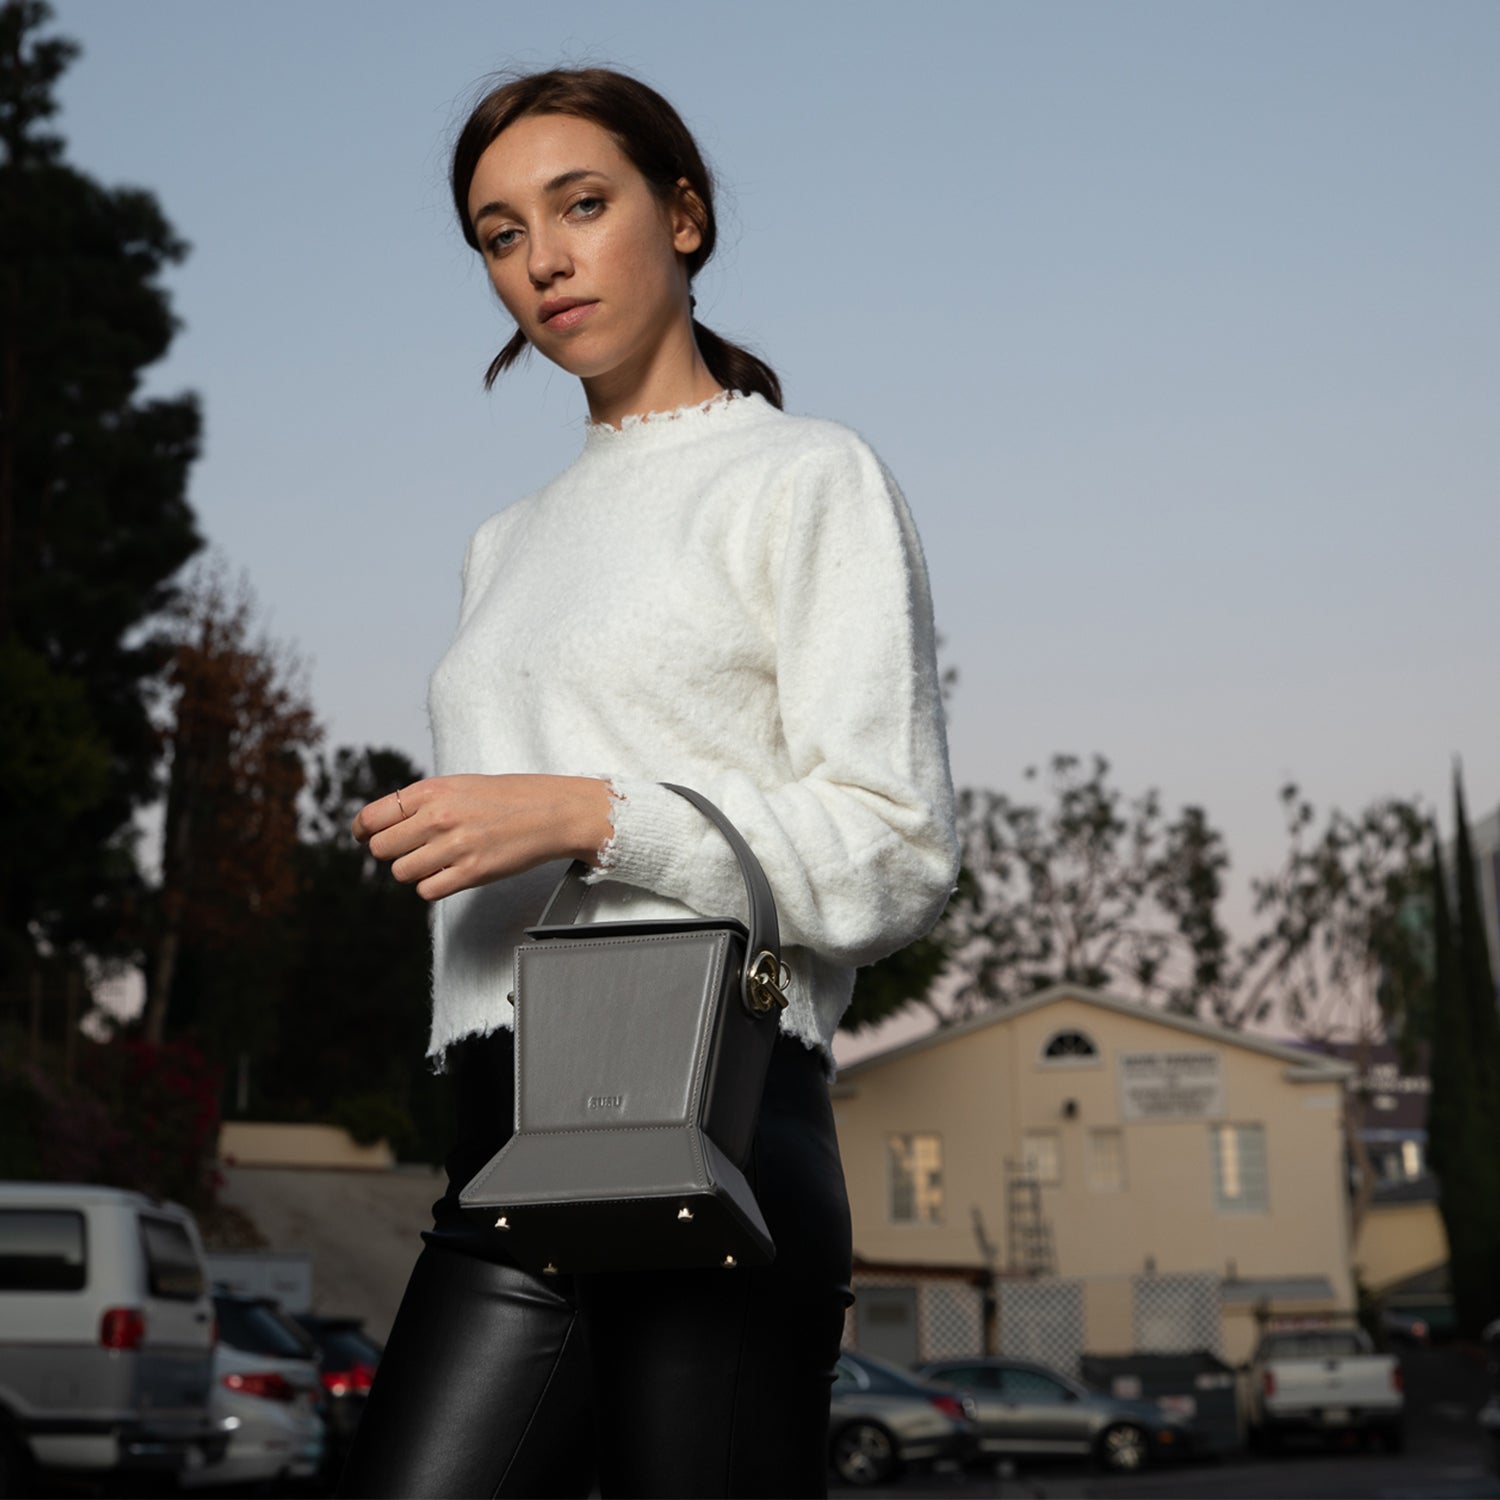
point(1308, 1066)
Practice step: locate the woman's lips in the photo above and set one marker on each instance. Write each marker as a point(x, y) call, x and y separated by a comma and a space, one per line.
point(569, 317)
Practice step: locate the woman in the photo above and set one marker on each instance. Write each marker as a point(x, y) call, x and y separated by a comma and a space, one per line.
point(716, 594)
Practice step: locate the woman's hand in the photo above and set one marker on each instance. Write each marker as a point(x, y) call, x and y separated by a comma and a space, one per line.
point(451, 833)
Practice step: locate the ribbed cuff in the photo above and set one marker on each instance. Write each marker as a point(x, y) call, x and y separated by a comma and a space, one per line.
point(655, 834)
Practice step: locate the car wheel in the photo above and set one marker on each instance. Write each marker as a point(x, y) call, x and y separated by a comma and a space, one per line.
point(863, 1453)
point(1123, 1449)
point(1394, 1437)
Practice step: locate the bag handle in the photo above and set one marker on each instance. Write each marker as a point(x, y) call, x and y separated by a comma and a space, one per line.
point(763, 984)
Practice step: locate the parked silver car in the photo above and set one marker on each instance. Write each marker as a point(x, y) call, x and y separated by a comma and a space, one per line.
point(1027, 1410)
point(267, 1397)
point(884, 1419)
point(106, 1335)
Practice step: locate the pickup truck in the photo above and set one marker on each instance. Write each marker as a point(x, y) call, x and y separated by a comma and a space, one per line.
point(1323, 1380)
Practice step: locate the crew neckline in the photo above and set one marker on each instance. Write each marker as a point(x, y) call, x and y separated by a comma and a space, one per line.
point(682, 419)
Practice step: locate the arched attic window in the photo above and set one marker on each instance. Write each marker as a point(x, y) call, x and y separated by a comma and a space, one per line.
point(1070, 1046)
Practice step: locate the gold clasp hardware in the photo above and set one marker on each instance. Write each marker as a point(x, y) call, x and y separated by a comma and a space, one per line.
point(729, 1263)
point(502, 1222)
point(684, 1212)
point(549, 1269)
point(767, 979)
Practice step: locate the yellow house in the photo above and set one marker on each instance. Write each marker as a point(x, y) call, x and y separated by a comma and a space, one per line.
point(1077, 1173)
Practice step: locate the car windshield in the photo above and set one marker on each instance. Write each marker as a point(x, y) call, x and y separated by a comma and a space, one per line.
point(1312, 1343)
point(970, 1377)
point(883, 1377)
point(343, 1347)
point(256, 1328)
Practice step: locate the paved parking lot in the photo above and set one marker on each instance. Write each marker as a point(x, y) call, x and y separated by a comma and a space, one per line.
point(1309, 1476)
point(1444, 1460)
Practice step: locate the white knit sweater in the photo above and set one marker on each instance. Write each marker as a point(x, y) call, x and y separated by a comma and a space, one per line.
point(733, 599)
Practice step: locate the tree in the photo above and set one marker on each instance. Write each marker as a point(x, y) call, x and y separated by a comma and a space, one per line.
point(1463, 1118)
point(1100, 890)
point(1345, 948)
point(910, 975)
point(1342, 948)
point(94, 519)
point(239, 725)
point(353, 1009)
point(1090, 889)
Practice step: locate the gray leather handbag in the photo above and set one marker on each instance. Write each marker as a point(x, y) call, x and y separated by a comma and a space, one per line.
point(641, 1055)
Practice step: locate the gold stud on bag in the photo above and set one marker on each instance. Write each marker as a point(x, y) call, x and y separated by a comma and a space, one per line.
point(641, 1055)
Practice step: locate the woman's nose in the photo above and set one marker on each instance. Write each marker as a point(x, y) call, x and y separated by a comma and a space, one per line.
point(548, 257)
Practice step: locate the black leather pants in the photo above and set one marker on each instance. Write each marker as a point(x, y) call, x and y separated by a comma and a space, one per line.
point(692, 1383)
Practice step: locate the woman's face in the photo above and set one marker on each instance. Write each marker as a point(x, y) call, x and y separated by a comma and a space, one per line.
point(585, 257)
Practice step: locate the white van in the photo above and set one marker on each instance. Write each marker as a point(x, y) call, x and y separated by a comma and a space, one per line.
point(106, 1334)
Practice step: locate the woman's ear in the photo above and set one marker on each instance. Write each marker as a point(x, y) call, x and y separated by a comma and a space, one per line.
point(688, 218)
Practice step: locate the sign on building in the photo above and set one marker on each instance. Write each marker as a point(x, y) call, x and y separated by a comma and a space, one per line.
point(1171, 1085)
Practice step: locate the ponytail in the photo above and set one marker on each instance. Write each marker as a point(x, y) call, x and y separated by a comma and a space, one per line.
point(514, 348)
point(735, 368)
point(662, 149)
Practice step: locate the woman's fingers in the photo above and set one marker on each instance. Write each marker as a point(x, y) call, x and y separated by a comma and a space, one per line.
point(384, 812)
point(420, 863)
point(450, 833)
point(442, 883)
point(400, 838)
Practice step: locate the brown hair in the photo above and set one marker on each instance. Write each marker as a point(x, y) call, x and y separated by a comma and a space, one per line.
point(661, 148)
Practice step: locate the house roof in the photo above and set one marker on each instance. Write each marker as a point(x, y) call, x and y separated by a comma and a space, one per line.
point(1307, 1067)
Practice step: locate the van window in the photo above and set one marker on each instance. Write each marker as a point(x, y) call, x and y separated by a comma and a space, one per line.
point(42, 1250)
point(173, 1269)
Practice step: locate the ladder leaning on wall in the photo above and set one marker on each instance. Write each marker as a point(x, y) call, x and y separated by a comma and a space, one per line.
point(1028, 1232)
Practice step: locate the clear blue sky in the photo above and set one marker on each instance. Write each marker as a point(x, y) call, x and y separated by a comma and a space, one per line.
point(1178, 323)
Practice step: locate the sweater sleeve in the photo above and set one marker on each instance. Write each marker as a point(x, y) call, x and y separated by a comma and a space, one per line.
point(858, 841)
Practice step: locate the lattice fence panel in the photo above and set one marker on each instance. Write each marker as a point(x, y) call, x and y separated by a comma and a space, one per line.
point(1042, 1319)
point(950, 1314)
point(952, 1320)
point(1174, 1314)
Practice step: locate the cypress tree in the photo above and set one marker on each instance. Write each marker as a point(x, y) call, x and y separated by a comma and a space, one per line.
point(1475, 985)
point(1451, 1102)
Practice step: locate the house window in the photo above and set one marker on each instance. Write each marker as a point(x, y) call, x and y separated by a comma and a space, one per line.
point(1106, 1161)
point(916, 1178)
point(1070, 1046)
point(1041, 1153)
point(1239, 1153)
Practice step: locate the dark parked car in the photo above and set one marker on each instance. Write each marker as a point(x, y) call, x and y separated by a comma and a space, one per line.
point(1027, 1410)
point(884, 1419)
point(1489, 1414)
point(347, 1360)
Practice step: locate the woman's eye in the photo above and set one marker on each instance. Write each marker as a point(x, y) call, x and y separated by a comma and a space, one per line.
point(502, 239)
point(587, 208)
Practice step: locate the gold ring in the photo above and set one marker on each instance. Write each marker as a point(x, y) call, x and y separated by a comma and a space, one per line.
point(401, 804)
